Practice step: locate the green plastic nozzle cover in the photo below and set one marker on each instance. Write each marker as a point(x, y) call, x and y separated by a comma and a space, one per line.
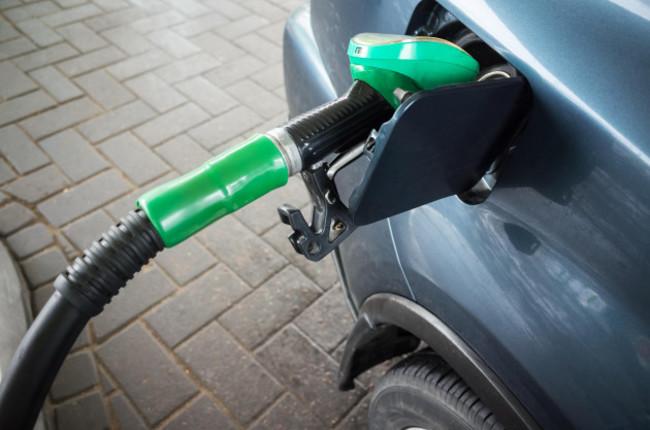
point(184, 206)
point(412, 63)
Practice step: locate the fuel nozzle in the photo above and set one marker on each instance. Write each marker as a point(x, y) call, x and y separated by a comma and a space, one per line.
point(380, 64)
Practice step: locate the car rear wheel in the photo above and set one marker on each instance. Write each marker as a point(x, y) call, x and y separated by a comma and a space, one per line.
point(423, 392)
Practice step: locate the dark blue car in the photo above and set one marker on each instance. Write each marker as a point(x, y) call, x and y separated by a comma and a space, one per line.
point(533, 296)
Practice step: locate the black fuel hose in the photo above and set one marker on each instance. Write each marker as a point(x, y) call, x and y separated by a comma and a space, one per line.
point(82, 291)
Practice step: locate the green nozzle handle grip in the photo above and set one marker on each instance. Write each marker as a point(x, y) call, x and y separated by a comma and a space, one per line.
point(227, 182)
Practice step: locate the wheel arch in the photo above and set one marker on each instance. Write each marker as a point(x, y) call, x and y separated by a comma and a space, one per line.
point(389, 325)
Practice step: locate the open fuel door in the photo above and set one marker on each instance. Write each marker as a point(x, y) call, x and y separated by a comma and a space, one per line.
point(442, 142)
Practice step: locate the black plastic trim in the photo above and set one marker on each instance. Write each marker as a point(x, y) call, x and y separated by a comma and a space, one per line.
point(384, 310)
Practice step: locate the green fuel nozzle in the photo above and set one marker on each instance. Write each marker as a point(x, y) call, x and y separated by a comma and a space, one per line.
point(380, 64)
point(169, 214)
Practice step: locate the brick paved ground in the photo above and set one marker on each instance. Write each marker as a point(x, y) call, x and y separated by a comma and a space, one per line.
point(103, 99)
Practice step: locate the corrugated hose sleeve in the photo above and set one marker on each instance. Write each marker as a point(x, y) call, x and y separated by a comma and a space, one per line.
point(82, 291)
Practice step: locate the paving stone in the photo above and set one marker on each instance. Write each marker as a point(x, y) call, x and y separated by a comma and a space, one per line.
point(206, 95)
point(83, 198)
point(287, 5)
point(183, 154)
point(40, 33)
point(227, 8)
point(156, 92)
point(266, 9)
point(37, 185)
point(56, 84)
point(107, 383)
point(6, 30)
point(115, 18)
point(81, 37)
point(71, 15)
point(271, 77)
point(87, 412)
point(282, 93)
point(244, 252)
point(126, 203)
point(270, 307)
point(104, 89)
point(157, 22)
point(203, 413)
point(40, 296)
point(328, 321)
point(357, 419)
point(218, 47)
point(262, 214)
point(78, 373)
point(171, 123)
point(152, 380)
point(116, 121)
point(242, 26)
point(91, 61)
point(151, 6)
point(174, 44)
point(24, 106)
point(44, 267)
point(186, 68)
point(83, 339)
point(15, 47)
point(69, 3)
point(257, 98)
point(127, 39)
point(143, 291)
point(6, 174)
point(77, 158)
point(111, 4)
point(139, 64)
point(44, 57)
point(288, 413)
point(70, 251)
point(309, 373)
point(201, 24)
point(84, 231)
point(243, 386)
point(23, 154)
point(234, 70)
point(269, 124)
point(126, 416)
point(273, 33)
point(263, 49)
point(30, 240)
point(185, 261)
point(190, 8)
point(14, 216)
point(60, 117)
point(322, 272)
point(196, 304)
point(224, 127)
point(133, 158)
point(34, 10)
point(229, 144)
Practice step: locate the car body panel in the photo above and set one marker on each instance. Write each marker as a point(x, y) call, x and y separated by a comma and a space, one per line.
point(546, 280)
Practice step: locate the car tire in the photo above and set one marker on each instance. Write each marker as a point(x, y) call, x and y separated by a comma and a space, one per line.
point(423, 392)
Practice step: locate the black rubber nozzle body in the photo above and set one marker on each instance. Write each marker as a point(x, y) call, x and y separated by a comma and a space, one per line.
point(337, 125)
point(83, 290)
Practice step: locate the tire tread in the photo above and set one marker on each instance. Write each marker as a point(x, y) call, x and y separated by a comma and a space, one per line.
point(430, 373)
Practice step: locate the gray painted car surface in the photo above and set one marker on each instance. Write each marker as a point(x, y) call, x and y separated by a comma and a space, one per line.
point(548, 279)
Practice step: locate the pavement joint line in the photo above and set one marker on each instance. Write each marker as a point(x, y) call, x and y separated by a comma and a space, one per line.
point(186, 370)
